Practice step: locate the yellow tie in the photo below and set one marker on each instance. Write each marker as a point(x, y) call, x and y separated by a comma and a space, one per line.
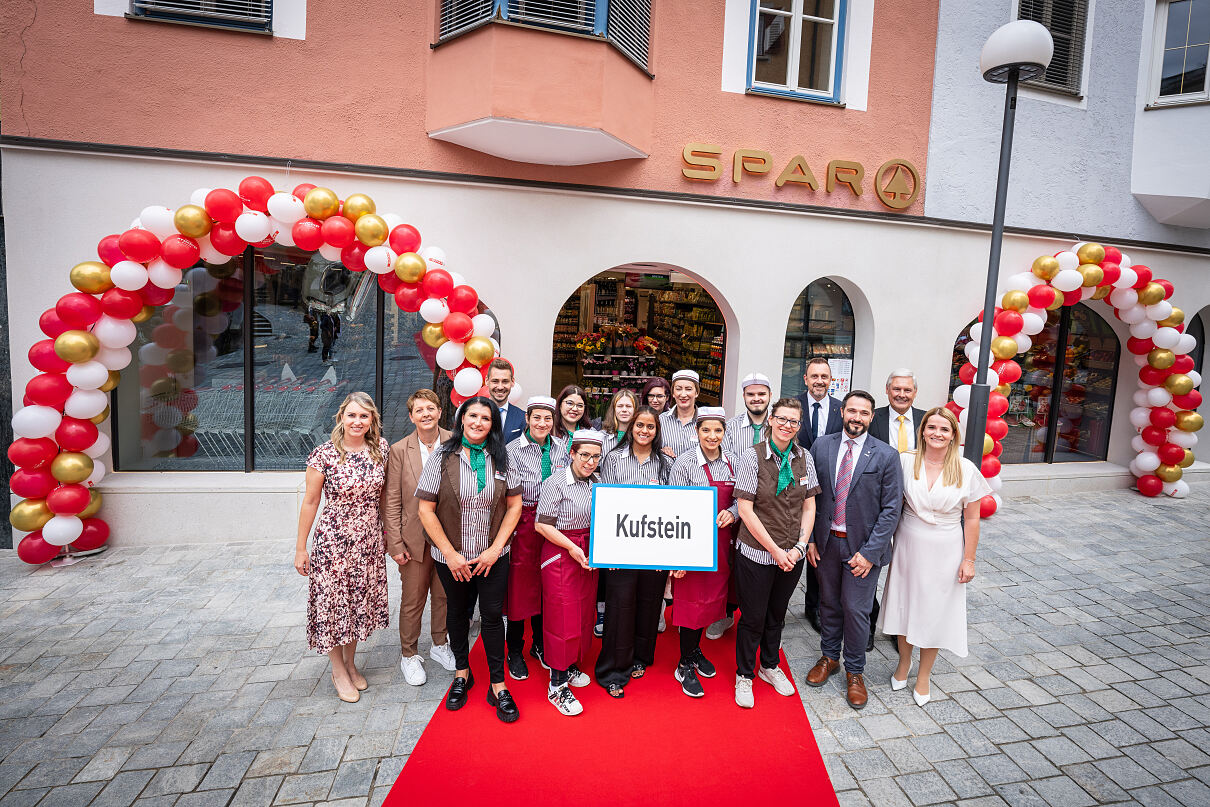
point(903, 441)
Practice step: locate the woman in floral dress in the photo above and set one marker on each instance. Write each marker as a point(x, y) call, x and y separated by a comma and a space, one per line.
point(346, 565)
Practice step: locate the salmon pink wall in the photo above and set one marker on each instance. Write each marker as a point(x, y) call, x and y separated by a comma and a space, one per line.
point(355, 91)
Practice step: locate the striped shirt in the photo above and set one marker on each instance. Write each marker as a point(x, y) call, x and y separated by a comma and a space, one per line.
point(621, 468)
point(742, 435)
point(680, 437)
point(566, 502)
point(526, 456)
point(611, 442)
point(690, 470)
point(475, 505)
point(747, 484)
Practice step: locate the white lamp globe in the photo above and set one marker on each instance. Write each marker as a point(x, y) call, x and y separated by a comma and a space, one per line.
point(1023, 44)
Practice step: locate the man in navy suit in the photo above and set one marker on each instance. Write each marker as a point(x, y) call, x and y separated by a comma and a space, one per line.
point(857, 511)
point(820, 416)
point(499, 387)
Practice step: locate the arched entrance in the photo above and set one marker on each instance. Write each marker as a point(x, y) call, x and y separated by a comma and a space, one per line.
point(821, 325)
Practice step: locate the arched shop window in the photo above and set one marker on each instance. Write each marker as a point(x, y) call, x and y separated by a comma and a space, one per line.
point(821, 325)
point(219, 390)
point(630, 324)
point(1197, 329)
point(1068, 379)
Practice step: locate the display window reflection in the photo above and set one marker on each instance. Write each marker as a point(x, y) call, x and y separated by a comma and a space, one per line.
point(821, 325)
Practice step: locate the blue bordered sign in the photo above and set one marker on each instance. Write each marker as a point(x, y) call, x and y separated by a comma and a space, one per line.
point(654, 527)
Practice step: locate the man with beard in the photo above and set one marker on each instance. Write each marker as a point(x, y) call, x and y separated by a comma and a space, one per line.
point(857, 512)
point(499, 387)
point(750, 427)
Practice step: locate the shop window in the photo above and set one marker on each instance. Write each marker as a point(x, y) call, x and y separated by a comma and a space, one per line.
point(1067, 21)
point(820, 326)
point(1197, 329)
point(1181, 49)
point(247, 15)
point(622, 328)
point(797, 48)
point(1061, 408)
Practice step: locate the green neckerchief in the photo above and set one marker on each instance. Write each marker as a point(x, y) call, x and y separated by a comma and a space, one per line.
point(546, 469)
point(479, 463)
point(785, 476)
point(621, 434)
point(756, 427)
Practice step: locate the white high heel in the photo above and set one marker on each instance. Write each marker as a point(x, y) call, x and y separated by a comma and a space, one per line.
point(921, 699)
point(896, 684)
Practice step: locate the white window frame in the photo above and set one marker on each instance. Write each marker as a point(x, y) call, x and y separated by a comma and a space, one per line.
point(1158, 35)
point(796, 16)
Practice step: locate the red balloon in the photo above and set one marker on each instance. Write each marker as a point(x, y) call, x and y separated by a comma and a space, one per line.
point(457, 399)
point(121, 304)
point(997, 310)
point(437, 283)
point(302, 190)
point(49, 389)
point(1153, 436)
point(1112, 255)
point(404, 238)
point(186, 401)
point(42, 356)
point(484, 392)
point(1008, 322)
point(997, 404)
point(1072, 297)
point(108, 250)
point(1152, 376)
point(1183, 363)
point(307, 234)
point(1190, 401)
point(997, 428)
point(180, 251)
point(389, 282)
point(32, 452)
point(338, 231)
point(1163, 418)
point(75, 434)
point(967, 373)
point(255, 192)
point(1041, 296)
point(35, 551)
point(140, 246)
point(1139, 347)
point(953, 407)
point(78, 310)
point(409, 296)
point(1111, 273)
point(168, 336)
point(1168, 287)
point(94, 535)
point(33, 483)
point(224, 239)
point(1008, 371)
point(1144, 274)
point(224, 206)
point(230, 289)
point(187, 447)
point(463, 299)
point(997, 448)
point(987, 507)
point(150, 373)
point(990, 466)
point(1170, 453)
point(67, 500)
point(353, 256)
point(458, 327)
point(1150, 485)
point(153, 295)
point(52, 324)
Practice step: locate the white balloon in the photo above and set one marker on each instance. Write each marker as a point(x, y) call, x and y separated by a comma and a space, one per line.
point(1195, 377)
point(392, 220)
point(483, 325)
point(275, 228)
point(1158, 396)
point(1186, 344)
point(165, 440)
point(252, 226)
point(62, 530)
point(972, 352)
point(434, 310)
point(1180, 489)
point(1138, 445)
point(128, 275)
point(495, 345)
point(1067, 261)
point(135, 224)
point(1135, 469)
point(198, 197)
point(1167, 338)
point(1159, 311)
point(282, 233)
point(976, 332)
point(158, 221)
point(1140, 399)
point(285, 207)
point(995, 483)
point(112, 332)
point(1123, 298)
point(87, 374)
point(163, 274)
point(1133, 315)
point(1076, 246)
point(1148, 461)
point(1140, 417)
point(450, 355)
point(114, 358)
point(1143, 330)
point(1067, 280)
point(434, 257)
point(201, 281)
point(85, 403)
point(1032, 324)
point(1127, 279)
point(152, 354)
point(1182, 439)
point(1140, 361)
point(380, 259)
point(216, 324)
point(516, 397)
point(330, 252)
point(36, 421)
point(181, 298)
point(98, 448)
point(468, 381)
point(962, 395)
point(98, 473)
point(1022, 281)
point(182, 319)
point(208, 253)
point(166, 417)
point(993, 378)
point(1024, 343)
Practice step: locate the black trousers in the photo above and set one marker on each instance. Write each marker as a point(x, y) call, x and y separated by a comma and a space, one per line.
point(460, 596)
point(633, 600)
point(516, 634)
point(764, 596)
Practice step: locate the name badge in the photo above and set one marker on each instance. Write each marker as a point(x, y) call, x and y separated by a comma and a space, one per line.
point(500, 476)
point(653, 481)
point(806, 480)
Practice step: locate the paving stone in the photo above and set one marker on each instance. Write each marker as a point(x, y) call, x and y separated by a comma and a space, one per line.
point(353, 779)
point(305, 787)
point(53, 772)
point(870, 763)
point(227, 771)
point(1061, 751)
point(1125, 772)
point(925, 788)
point(998, 769)
point(963, 779)
point(1189, 792)
point(160, 755)
point(180, 779)
point(258, 792)
point(123, 788)
point(72, 795)
point(324, 754)
point(1096, 783)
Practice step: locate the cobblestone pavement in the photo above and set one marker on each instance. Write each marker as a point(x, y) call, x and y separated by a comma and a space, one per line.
point(179, 676)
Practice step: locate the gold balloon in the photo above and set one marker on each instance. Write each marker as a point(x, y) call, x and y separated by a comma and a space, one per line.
point(1003, 347)
point(1058, 303)
point(433, 334)
point(76, 346)
point(1169, 473)
point(101, 418)
point(1188, 421)
point(479, 350)
point(165, 389)
point(207, 304)
point(1091, 253)
point(1151, 294)
point(358, 205)
point(1016, 300)
point(989, 445)
point(410, 267)
point(180, 360)
point(94, 504)
point(1004, 389)
point(112, 382)
point(1161, 359)
point(71, 466)
point(188, 424)
point(1046, 267)
point(191, 220)
point(147, 313)
point(1188, 460)
point(1102, 292)
point(1092, 275)
point(1178, 384)
point(371, 229)
point(321, 203)
point(30, 515)
point(91, 277)
point(1175, 318)
point(222, 271)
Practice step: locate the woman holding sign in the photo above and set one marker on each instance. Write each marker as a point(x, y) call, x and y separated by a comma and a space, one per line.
point(633, 597)
point(569, 584)
point(700, 598)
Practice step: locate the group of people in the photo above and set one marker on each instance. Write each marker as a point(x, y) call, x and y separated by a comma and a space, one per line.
point(496, 514)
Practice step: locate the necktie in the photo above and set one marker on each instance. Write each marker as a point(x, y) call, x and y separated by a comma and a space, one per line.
point(843, 477)
point(756, 433)
point(546, 470)
point(815, 420)
point(903, 441)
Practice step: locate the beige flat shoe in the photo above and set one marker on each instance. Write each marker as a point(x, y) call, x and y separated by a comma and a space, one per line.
point(360, 682)
point(347, 697)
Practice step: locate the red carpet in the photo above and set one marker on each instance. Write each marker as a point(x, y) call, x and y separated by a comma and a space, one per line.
point(655, 746)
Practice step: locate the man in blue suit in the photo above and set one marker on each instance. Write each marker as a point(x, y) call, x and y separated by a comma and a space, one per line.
point(857, 511)
point(820, 416)
point(500, 386)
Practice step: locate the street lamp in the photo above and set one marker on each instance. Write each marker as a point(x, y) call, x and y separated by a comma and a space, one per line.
point(1016, 51)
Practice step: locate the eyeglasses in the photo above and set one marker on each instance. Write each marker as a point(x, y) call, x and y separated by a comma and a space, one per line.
point(588, 457)
point(571, 405)
point(785, 421)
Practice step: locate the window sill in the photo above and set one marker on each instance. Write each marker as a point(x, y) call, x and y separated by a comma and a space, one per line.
point(1175, 104)
point(1051, 90)
point(789, 95)
point(198, 24)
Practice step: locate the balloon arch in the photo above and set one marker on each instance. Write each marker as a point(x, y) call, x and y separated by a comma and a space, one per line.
point(58, 447)
point(1167, 394)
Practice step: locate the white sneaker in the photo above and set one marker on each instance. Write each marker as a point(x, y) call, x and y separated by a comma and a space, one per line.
point(562, 699)
point(413, 670)
point(743, 692)
point(442, 654)
point(663, 626)
point(777, 678)
point(717, 629)
point(578, 678)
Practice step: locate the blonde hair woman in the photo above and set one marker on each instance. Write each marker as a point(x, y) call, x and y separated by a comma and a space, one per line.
point(924, 603)
point(346, 566)
point(618, 417)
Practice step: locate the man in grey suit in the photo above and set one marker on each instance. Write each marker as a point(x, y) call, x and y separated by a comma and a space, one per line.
point(857, 511)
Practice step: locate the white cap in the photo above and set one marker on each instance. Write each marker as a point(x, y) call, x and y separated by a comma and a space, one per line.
point(588, 436)
point(541, 401)
point(687, 375)
point(711, 413)
point(755, 379)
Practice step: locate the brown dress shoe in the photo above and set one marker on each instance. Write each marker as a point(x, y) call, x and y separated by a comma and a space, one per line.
point(822, 671)
point(856, 691)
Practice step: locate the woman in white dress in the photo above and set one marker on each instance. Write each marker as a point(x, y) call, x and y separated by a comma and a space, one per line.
point(924, 603)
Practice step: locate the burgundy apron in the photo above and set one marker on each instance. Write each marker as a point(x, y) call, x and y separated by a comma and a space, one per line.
point(569, 603)
point(524, 578)
point(700, 598)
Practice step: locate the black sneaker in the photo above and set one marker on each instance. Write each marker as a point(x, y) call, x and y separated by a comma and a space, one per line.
point(536, 652)
point(687, 675)
point(517, 667)
point(702, 664)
